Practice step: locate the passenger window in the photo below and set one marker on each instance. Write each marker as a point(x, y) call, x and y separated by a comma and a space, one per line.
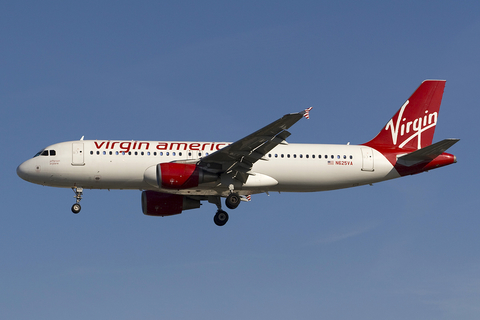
point(306, 156)
point(288, 155)
point(110, 153)
point(338, 156)
point(301, 156)
point(142, 153)
point(91, 152)
point(332, 156)
point(98, 152)
point(351, 157)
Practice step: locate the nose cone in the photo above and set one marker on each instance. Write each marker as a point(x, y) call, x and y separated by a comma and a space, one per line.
point(26, 170)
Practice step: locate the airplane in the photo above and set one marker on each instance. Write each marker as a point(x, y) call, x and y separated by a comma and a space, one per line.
point(178, 175)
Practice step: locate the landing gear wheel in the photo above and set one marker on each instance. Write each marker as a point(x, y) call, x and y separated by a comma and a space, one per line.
point(78, 196)
point(220, 218)
point(232, 201)
point(76, 208)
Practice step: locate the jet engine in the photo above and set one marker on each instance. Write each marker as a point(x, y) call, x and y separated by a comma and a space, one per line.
point(172, 175)
point(165, 204)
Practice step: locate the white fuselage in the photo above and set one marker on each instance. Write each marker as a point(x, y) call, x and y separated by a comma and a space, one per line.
point(115, 164)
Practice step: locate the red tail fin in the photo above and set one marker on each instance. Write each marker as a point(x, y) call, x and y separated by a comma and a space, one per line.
point(413, 126)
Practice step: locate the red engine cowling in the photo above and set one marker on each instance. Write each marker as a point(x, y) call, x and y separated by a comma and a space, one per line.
point(164, 204)
point(173, 175)
point(182, 175)
point(177, 175)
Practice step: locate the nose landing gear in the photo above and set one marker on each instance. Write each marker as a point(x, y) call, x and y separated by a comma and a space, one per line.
point(78, 196)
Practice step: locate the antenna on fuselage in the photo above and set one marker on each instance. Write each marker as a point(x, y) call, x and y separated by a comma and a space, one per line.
point(82, 137)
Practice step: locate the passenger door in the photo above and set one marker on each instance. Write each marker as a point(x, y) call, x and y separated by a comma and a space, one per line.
point(77, 154)
point(367, 159)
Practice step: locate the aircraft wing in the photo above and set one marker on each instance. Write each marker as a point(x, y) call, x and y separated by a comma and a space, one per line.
point(238, 158)
point(426, 154)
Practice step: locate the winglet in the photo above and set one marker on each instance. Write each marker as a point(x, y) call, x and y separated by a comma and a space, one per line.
point(306, 112)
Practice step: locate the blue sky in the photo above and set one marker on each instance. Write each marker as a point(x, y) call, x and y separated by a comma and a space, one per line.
point(217, 71)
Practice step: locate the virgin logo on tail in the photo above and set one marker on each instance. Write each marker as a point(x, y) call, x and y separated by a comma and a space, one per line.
point(416, 119)
point(413, 128)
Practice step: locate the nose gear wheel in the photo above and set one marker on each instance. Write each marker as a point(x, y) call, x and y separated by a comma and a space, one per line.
point(78, 196)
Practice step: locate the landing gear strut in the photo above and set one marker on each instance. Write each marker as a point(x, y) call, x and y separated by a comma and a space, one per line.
point(78, 196)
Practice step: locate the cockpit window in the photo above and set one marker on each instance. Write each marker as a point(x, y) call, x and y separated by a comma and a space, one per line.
point(45, 153)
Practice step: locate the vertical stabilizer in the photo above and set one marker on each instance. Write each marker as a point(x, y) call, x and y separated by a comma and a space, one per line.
point(413, 126)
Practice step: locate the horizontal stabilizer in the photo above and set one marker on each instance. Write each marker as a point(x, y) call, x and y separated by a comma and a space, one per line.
point(426, 154)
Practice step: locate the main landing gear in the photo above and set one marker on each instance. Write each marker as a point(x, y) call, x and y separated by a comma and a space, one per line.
point(220, 218)
point(232, 202)
point(78, 196)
